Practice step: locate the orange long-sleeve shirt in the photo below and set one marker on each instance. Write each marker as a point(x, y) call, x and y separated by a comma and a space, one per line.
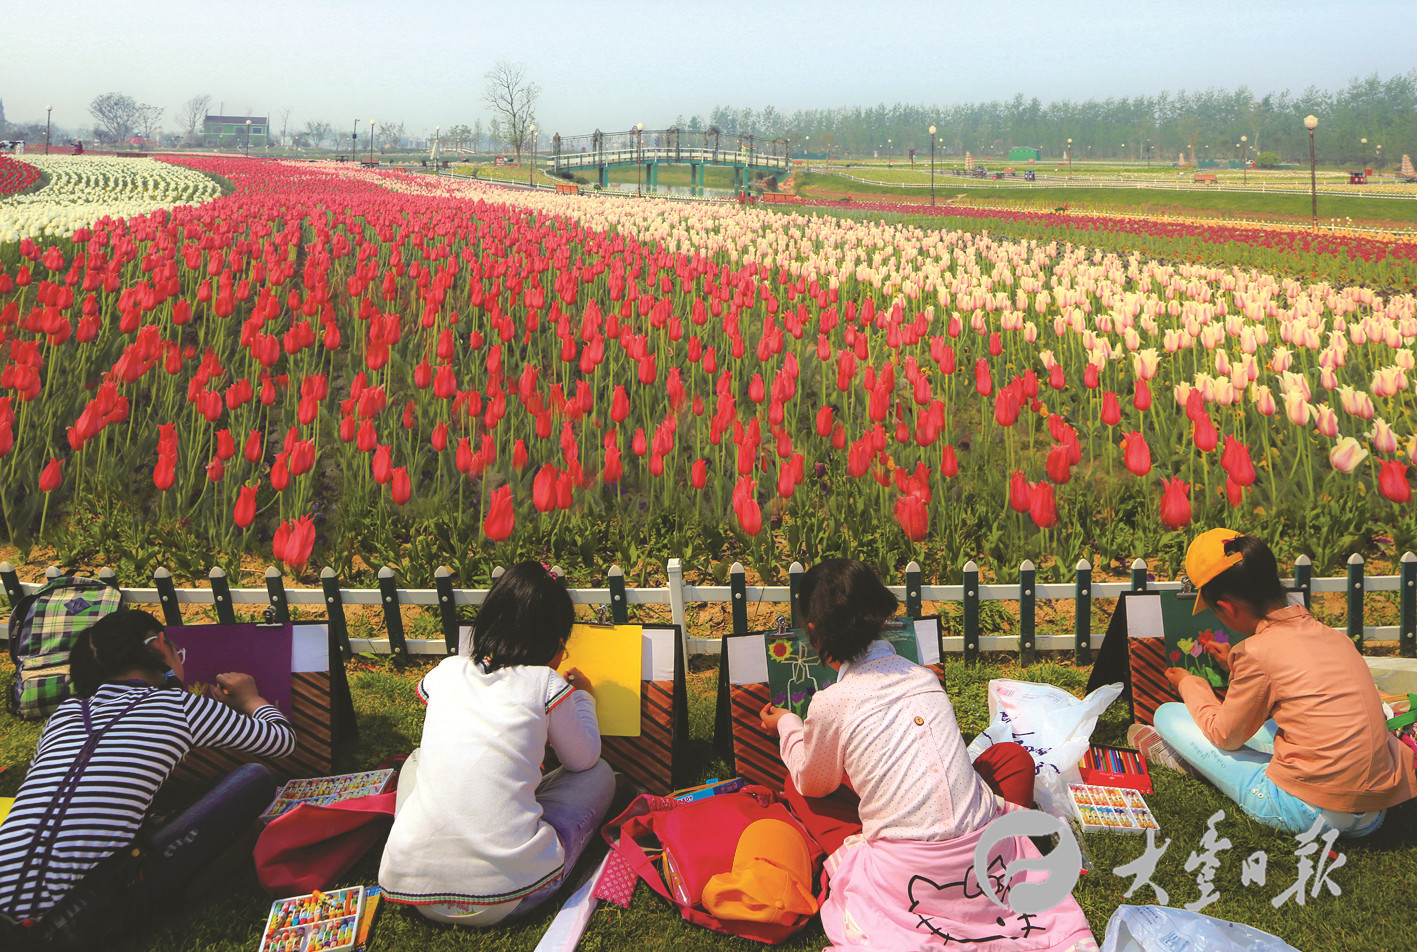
point(1333, 749)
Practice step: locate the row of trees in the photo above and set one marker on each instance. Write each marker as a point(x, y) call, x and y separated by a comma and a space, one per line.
point(1202, 124)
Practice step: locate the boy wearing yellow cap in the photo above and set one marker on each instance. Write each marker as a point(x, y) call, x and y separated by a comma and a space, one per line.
point(1332, 754)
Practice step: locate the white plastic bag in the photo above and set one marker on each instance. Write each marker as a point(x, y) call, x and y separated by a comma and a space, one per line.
point(1163, 929)
point(1052, 725)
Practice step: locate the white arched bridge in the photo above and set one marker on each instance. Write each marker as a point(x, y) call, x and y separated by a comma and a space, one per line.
point(648, 149)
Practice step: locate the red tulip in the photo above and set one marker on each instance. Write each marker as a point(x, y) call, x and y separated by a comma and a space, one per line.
point(439, 437)
point(1136, 455)
point(165, 472)
point(293, 542)
point(543, 489)
point(1059, 466)
point(1234, 492)
point(225, 445)
point(913, 516)
point(613, 470)
point(519, 455)
point(824, 421)
point(245, 507)
point(501, 518)
point(756, 391)
point(50, 478)
point(1111, 409)
point(1203, 433)
point(1089, 376)
point(401, 487)
point(1018, 492)
point(382, 465)
point(1055, 377)
point(745, 506)
point(255, 447)
point(983, 382)
point(302, 457)
point(698, 474)
point(1141, 396)
point(462, 459)
point(638, 445)
point(1006, 405)
point(1236, 462)
point(1175, 503)
point(280, 473)
point(1042, 505)
point(949, 462)
point(1392, 482)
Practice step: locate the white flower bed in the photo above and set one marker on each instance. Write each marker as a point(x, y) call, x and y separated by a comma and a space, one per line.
point(82, 189)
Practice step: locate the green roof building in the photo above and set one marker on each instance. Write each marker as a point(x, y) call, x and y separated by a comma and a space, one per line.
point(231, 131)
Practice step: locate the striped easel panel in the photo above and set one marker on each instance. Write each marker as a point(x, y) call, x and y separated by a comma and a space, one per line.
point(311, 702)
point(755, 752)
point(1150, 689)
point(648, 760)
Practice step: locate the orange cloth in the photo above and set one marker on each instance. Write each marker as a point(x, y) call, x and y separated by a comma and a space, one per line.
point(1333, 749)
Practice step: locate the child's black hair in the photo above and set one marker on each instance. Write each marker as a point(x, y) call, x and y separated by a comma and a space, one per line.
point(525, 619)
point(111, 646)
point(844, 605)
point(1253, 582)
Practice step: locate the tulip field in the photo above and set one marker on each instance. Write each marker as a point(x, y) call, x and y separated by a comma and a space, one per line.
point(351, 367)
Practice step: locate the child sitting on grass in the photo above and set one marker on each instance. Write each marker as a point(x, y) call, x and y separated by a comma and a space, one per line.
point(901, 870)
point(1329, 753)
point(479, 833)
point(76, 861)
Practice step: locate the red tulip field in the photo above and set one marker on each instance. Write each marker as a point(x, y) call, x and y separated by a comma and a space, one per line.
point(349, 367)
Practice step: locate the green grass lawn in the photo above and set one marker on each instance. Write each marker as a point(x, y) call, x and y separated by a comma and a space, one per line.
point(1201, 203)
point(1370, 915)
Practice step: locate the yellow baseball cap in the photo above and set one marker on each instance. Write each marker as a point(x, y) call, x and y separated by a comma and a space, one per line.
point(771, 879)
point(1206, 559)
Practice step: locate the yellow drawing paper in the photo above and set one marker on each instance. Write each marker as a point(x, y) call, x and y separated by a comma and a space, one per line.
point(611, 657)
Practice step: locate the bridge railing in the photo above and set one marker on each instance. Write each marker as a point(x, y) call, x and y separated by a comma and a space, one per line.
point(628, 156)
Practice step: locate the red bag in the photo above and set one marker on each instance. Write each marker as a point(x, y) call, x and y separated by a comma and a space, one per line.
point(310, 847)
point(698, 839)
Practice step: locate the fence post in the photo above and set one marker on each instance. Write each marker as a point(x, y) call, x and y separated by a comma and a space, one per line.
point(971, 612)
point(912, 589)
point(739, 586)
point(108, 577)
point(221, 596)
point(1027, 576)
point(675, 572)
point(1139, 575)
point(11, 580)
point(1407, 600)
point(167, 595)
point(447, 607)
point(393, 619)
point(334, 606)
point(1303, 577)
point(52, 573)
point(795, 594)
point(1082, 609)
point(1355, 599)
point(615, 581)
point(275, 588)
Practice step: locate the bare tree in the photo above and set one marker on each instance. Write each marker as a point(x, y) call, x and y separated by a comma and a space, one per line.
point(116, 115)
point(512, 98)
point(148, 119)
point(318, 132)
point(389, 133)
point(191, 115)
point(477, 135)
point(284, 122)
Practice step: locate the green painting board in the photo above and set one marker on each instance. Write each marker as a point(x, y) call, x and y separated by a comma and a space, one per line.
point(1186, 633)
point(796, 673)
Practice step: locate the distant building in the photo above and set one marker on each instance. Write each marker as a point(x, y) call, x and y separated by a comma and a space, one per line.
point(230, 131)
point(1023, 153)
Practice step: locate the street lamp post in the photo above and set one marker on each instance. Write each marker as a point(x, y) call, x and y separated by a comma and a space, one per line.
point(532, 165)
point(1070, 158)
point(1378, 160)
point(248, 138)
point(354, 143)
point(1311, 123)
point(371, 142)
point(1244, 160)
point(1364, 140)
point(437, 149)
point(639, 155)
point(932, 166)
point(1148, 153)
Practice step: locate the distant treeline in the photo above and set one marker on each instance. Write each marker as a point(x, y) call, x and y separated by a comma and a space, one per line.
point(1208, 124)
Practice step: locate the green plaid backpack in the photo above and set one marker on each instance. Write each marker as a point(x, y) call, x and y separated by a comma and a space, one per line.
point(43, 628)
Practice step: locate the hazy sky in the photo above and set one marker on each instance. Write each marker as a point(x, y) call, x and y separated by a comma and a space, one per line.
point(612, 64)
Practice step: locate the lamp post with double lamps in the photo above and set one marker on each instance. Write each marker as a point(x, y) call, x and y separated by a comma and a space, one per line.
point(1311, 123)
point(1244, 160)
point(48, 111)
point(371, 142)
point(639, 155)
point(1364, 140)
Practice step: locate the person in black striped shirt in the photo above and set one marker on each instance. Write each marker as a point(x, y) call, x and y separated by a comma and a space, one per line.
point(76, 859)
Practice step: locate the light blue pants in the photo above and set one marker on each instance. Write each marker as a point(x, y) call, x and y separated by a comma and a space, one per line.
point(1240, 775)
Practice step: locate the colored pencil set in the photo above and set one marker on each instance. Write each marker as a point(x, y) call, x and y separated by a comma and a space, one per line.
point(318, 922)
point(1110, 809)
point(1115, 767)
